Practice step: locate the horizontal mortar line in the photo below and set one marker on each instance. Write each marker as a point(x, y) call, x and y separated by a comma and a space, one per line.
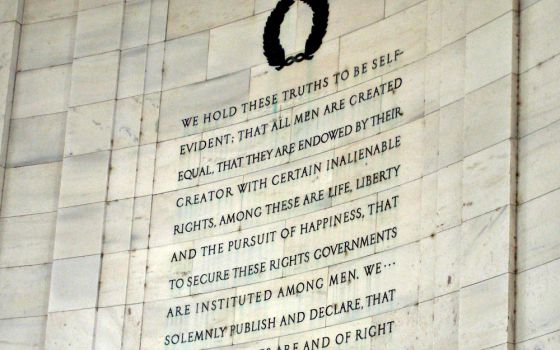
point(23, 215)
point(548, 262)
point(436, 297)
point(26, 265)
point(73, 14)
point(545, 127)
point(539, 64)
point(343, 203)
point(540, 196)
point(56, 65)
point(508, 11)
point(23, 317)
point(538, 336)
point(526, 118)
point(493, 347)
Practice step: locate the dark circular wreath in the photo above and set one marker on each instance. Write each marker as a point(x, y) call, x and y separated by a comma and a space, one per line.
point(273, 49)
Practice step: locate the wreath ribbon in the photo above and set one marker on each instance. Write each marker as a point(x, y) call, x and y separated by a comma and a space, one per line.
point(273, 50)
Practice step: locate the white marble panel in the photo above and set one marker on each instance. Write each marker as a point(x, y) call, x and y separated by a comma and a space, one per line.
point(453, 20)
point(118, 226)
point(538, 160)
point(122, 173)
point(150, 118)
point(394, 6)
point(538, 43)
point(154, 68)
point(157, 326)
point(449, 197)
point(128, 116)
point(160, 270)
point(90, 4)
point(428, 209)
point(490, 114)
point(480, 12)
point(446, 325)
point(24, 291)
point(490, 52)
point(113, 282)
point(136, 276)
point(31, 189)
point(73, 330)
point(264, 344)
point(537, 222)
point(452, 72)
point(47, 44)
point(10, 33)
point(98, 30)
point(132, 329)
point(362, 13)
point(450, 130)
point(145, 172)
point(185, 61)
point(132, 71)
point(40, 10)
point(432, 83)
point(94, 79)
point(74, 283)
point(109, 328)
point(487, 179)
point(447, 261)
point(141, 222)
point(84, 179)
point(36, 140)
point(485, 322)
point(405, 31)
point(537, 309)
point(264, 5)
point(136, 23)
point(41, 91)
point(89, 128)
point(538, 90)
point(79, 231)
point(11, 11)
point(390, 281)
point(158, 21)
point(23, 333)
point(546, 342)
point(200, 99)
point(487, 246)
point(236, 46)
point(27, 240)
point(192, 16)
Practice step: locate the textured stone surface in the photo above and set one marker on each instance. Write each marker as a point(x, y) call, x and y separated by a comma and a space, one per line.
point(153, 163)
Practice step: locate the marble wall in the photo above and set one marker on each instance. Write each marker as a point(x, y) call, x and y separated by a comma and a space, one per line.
point(105, 202)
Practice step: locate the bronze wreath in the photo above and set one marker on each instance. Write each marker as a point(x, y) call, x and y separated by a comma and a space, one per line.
point(273, 49)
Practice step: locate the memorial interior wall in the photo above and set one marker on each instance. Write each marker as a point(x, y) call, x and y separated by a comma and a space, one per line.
point(165, 187)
